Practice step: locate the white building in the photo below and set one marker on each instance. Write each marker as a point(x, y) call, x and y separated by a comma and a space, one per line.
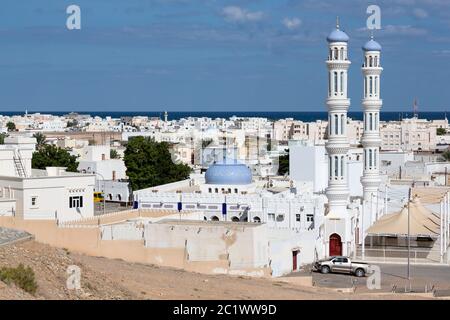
point(42, 194)
point(96, 159)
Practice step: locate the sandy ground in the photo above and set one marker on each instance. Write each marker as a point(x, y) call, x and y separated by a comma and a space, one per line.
point(103, 278)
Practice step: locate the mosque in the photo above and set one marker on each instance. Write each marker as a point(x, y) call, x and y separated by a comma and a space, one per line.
point(317, 225)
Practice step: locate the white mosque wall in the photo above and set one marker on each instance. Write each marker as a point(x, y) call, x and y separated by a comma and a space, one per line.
point(282, 244)
point(240, 246)
point(285, 211)
point(309, 163)
point(355, 171)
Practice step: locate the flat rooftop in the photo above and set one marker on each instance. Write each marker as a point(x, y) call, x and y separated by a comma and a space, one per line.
point(209, 223)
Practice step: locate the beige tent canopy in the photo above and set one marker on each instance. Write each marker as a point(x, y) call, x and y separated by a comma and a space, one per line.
point(423, 222)
point(430, 194)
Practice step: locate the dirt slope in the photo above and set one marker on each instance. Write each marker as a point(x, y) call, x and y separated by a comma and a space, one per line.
point(116, 279)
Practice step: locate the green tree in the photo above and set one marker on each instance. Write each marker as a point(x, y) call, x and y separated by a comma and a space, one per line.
point(2, 138)
point(283, 164)
point(72, 123)
point(149, 164)
point(11, 126)
point(52, 156)
point(41, 139)
point(113, 154)
point(441, 131)
point(446, 155)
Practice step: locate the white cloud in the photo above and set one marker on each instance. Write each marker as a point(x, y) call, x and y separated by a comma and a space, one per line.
point(420, 13)
point(404, 30)
point(237, 14)
point(292, 23)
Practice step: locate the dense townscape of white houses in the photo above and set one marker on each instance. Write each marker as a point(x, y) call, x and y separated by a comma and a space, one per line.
point(347, 179)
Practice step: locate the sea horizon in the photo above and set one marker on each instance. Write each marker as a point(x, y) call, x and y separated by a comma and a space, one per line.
point(306, 116)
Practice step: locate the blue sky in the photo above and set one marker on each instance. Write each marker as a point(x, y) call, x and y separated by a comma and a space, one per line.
point(201, 55)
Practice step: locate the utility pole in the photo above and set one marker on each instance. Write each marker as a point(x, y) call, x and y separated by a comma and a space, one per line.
point(385, 199)
point(445, 176)
point(362, 229)
point(442, 229)
point(444, 221)
point(409, 239)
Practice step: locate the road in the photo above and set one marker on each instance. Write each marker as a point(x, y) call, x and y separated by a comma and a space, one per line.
point(391, 275)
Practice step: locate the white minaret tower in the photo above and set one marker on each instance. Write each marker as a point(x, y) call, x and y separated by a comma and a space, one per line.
point(337, 228)
point(372, 103)
point(338, 104)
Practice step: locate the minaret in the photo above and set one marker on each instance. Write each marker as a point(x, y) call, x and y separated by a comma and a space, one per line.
point(338, 104)
point(372, 103)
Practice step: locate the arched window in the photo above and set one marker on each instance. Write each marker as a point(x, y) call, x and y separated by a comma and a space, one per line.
point(342, 82)
point(365, 158)
point(371, 61)
point(371, 86)
point(342, 166)
point(370, 158)
point(336, 167)
point(335, 82)
point(365, 87)
point(336, 54)
point(376, 120)
point(376, 61)
point(342, 124)
point(330, 165)
point(375, 85)
point(375, 153)
point(329, 84)
point(336, 124)
point(329, 125)
point(370, 121)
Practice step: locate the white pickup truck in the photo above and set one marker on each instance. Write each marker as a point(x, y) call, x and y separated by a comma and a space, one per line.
point(342, 265)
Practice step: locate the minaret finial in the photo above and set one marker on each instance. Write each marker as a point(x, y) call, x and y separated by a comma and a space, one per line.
point(337, 22)
point(371, 34)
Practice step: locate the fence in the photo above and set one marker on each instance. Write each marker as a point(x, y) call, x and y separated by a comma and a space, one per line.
point(391, 254)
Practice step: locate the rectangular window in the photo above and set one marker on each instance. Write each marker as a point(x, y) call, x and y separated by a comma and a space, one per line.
point(271, 216)
point(76, 202)
point(297, 217)
point(310, 218)
point(33, 201)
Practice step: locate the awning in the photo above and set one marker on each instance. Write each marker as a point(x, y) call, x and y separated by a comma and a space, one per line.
point(423, 222)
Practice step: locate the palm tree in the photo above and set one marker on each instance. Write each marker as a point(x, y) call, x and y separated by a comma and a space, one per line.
point(41, 139)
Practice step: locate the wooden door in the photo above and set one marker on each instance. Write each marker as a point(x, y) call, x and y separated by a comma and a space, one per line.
point(335, 245)
point(294, 260)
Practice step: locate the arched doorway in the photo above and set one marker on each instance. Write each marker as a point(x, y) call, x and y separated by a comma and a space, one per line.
point(214, 218)
point(335, 245)
point(235, 219)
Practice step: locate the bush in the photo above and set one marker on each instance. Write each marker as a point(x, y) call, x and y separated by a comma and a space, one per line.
point(23, 277)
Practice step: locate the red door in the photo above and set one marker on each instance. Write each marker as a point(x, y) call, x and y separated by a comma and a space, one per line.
point(294, 260)
point(335, 245)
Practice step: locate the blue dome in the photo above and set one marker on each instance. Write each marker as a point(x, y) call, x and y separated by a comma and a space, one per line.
point(372, 45)
point(337, 36)
point(229, 174)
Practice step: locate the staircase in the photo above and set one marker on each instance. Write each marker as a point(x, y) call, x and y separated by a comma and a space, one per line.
point(20, 168)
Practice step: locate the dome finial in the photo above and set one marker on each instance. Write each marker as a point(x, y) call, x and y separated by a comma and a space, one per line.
point(337, 22)
point(371, 35)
